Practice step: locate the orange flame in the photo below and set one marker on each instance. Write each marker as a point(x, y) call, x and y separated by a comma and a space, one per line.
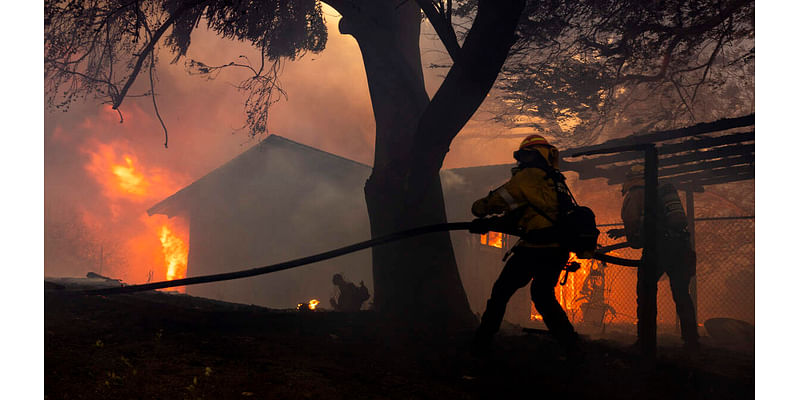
point(128, 185)
point(494, 239)
point(310, 306)
point(175, 254)
point(122, 175)
point(568, 293)
point(129, 179)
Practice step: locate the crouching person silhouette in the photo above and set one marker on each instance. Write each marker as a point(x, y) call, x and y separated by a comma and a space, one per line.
point(350, 296)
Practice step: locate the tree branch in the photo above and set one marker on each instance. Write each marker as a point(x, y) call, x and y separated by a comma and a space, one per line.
point(440, 19)
point(149, 48)
point(708, 64)
point(465, 87)
point(152, 83)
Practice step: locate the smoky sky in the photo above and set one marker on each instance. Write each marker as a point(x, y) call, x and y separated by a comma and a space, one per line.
point(327, 107)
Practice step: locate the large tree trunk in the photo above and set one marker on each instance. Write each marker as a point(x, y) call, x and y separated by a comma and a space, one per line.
point(416, 279)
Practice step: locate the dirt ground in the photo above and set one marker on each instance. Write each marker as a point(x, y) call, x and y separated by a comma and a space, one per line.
point(167, 346)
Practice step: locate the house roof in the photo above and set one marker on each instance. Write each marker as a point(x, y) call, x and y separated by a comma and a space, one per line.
point(178, 202)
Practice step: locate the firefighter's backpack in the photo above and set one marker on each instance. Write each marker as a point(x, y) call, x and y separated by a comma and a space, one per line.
point(576, 226)
point(578, 231)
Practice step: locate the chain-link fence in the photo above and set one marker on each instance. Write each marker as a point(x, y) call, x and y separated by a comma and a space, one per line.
point(600, 297)
point(726, 269)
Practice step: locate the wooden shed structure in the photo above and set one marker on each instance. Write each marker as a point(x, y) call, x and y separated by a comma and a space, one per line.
point(690, 158)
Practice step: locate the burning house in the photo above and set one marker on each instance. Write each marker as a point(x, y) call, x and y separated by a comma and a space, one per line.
point(281, 200)
point(276, 201)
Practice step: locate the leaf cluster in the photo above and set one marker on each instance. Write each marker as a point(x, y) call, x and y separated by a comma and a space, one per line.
point(597, 61)
point(96, 49)
point(284, 28)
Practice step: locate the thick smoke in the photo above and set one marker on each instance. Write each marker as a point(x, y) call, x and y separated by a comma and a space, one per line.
point(328, 107)
point(94, 223)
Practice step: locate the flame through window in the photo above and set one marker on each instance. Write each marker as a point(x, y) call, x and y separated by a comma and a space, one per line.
point(494, 239)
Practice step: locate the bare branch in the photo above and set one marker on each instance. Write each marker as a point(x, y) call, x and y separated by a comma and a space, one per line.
point(150, 46)
point(708, 65)
point(441, 23)
point(152, 83)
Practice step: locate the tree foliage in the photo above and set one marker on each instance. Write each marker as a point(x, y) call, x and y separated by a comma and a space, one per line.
point(580, 65)
point(97, 49)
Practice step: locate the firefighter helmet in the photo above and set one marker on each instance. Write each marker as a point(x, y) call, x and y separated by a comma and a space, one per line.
point(534, 140)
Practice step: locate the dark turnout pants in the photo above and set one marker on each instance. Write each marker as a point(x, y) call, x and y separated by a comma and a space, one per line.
point(543, 265)
point(674, 259)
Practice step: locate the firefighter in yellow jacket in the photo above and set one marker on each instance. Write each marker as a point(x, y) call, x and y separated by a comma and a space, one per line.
point(542, 260)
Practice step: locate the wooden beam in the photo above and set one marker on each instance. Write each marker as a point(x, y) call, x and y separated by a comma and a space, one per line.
point(716, 180)
point(704, 165)
point(719, 125)
point(588, 164)
point(715, 173)
point(686, 173)
point(705, 143)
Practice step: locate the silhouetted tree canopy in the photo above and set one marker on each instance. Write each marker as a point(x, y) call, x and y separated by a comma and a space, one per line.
point(643, 63)
point(98, 48)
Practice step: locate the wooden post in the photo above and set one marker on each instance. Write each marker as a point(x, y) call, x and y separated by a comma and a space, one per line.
point(647, 284)
point(691, 229)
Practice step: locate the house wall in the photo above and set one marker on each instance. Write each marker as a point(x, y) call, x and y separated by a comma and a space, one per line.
point(273, 208)
point(290, 201)
point(480, 265)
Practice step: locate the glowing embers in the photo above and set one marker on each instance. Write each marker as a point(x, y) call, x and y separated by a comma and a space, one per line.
point(494, 239)
point(175, 253)
point(310, 306)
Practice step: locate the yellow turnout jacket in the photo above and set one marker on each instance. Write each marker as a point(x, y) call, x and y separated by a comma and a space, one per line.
point(527, 186)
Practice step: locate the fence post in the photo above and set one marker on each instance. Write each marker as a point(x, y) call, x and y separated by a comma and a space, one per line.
point(647, 283)
point(690, 227)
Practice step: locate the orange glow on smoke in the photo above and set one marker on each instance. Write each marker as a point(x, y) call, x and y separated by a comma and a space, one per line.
point(156, 247)
point(129, 179)
point(494, 239)
point(124, 177)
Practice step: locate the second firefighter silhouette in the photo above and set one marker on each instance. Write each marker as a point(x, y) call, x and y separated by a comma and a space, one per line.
point(530, 192)
point(675, 255)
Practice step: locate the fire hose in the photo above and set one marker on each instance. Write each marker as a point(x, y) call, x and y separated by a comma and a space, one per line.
point(443, 227)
